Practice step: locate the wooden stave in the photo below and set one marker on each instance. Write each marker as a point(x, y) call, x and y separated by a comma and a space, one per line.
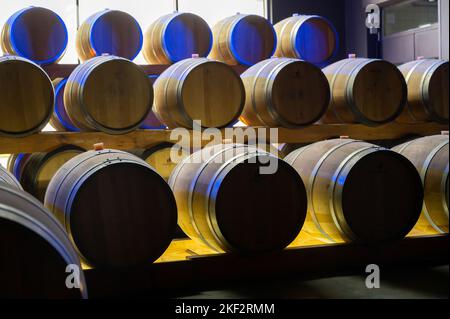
point(73, 93)
point(221, 48)
point(9, 48)
point(39, 126)
point(197, 225)
point(36, 162)
point(85, 49)
point(418, 75)
point(58, 201)
point(325, 217)
point(168, 101)
point(154, 50)
point(423, 153)
point(287, 29)
point(343, 110)
point(259, 109)
point(20, 207)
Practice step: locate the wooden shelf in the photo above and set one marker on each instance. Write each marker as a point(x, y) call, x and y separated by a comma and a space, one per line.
point(215, 271)
point(63, 70)
point(45, 141)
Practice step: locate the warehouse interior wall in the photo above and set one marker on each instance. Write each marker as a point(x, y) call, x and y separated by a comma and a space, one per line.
point(356, 32)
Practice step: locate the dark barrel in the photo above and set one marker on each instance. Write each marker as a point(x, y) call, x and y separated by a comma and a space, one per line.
point(243, 39)
point(430, 157)
point(271, 204)
point(308, 37)
point(35, 251)
point(118, 211)
point(175, 37)
point(358, 191)
point(35, 33)
point(109, 31)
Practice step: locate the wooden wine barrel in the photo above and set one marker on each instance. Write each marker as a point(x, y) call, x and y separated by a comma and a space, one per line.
point(109, 31)
point(243, 39)
point(151, 122)
point(8, 178)
point(108, 93)
point(428, 97)
point(102, 199)
point(27, 97)
point(41, 167)
point(308, 37)
point(430, 157)
point(163, 157)
point(16, 163)
point(35, 33)
point(284, 92)
point(59, 120)
point(198, 89)
point(367, 91)
point(358, 191)
point(35, 250)
point(175, 37)
point(271, 207)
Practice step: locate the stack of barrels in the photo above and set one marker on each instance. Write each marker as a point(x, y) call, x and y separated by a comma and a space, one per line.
point(114, 209)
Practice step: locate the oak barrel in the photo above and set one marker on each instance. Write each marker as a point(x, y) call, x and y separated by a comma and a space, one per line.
point(358, 191)
point(27, 97)
point(198, 89)
point(308, 37)
point(163, 157)
point(175, 37)
point(428, 98)
point(109, 31)
point(284, 92)
point(108, 93)
point(41, 167)
point(35, 251)
point(430, 157)
point(35, 33)
point(367, 91)
point(8, 178)
point(243, 39)
point(118, 211)
point(271, 207)
point(59, 120)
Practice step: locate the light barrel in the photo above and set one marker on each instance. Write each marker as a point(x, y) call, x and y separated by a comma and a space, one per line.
point(27, 97)
point(284, 92)
point(8, 178)
point(428, 98)
point(358, 192)
point(109, 94)
point(366, 91)
point(198, 89)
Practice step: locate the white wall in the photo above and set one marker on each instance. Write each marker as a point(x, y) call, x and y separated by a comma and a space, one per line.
point(215, 10)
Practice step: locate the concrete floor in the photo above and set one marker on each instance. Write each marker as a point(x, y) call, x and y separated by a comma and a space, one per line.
point(409, 283)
